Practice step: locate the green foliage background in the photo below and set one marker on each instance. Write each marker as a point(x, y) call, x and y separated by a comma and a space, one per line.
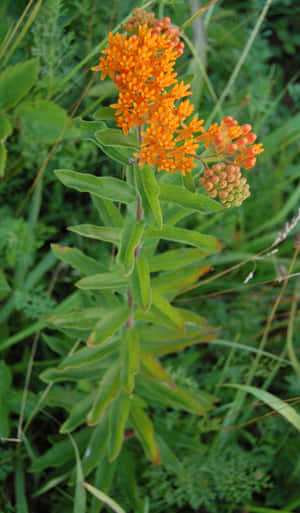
point(210, 464)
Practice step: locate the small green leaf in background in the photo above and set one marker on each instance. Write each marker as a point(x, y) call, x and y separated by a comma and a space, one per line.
point(109, 324)
point(43, 121)
point(16, 81)
point(5, 384)
point(274, 402)
point(118, 415)
point(108, 390)
point(175, 259)
point(129, 359)
point(145, 432)
point(104, 498)
point(151, 368)
point(104, 113)
point(121, 153)
point(115, 137)
point(5, 127)
point(131, 235)
point(3, 156)
point(168, 312)
point(4, 286)
point(104, 187)
point(108, 212)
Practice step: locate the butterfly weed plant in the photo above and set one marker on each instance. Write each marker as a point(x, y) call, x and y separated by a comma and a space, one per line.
point(172, 167)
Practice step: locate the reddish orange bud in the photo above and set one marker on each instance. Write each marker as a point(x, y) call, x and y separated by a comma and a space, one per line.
point(248, 163)
point(246, 129)
point(251, 138)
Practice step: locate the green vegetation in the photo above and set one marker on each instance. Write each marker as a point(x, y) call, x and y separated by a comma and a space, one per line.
point(237, 360)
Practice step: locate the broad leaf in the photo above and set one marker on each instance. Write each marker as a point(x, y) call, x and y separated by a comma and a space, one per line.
point(107, 234)
point(109, 388)
point(140, 285)
point(77, 259)
point(129, 359)
point(131, 235)
point(151, 190)
point(16, 81)
point(188, 199)
point(175, 259)
point(118, 415)
point(206, 243)
point(145, 432)
point(109, 324)
point(104, 187)
point(103, 281)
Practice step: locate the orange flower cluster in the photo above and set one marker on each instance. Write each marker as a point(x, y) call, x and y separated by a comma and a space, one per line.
point(161, 26)
point(142, 67)
point(227, 183)
point(220, 139)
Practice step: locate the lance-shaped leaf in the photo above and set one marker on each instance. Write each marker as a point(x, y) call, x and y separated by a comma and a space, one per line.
point(107, 234)
point(129, 359)
point(4, 286)
point(97, 446)
point(108, 212)
point(169, 313)
point(5, 127)
point(188, 199)
point(171, 397)
point(151, 190)
point(77, 259)
point(104, 114)
point(16, 81)
point(115, 137)
point(140, 283)
point(118, 415)
point(151, 368)
point(131, 235)
point(109, 324)
point(104, 187)
point(78, 414)
point(3, 157)
point(175, 259)
point(103, 281)
point(109, 389)
point(145, 432)
point(161, 340)
point(88, 362)
point(206, 243)
point(178, 280)
point(83, 319)
point(121, 154)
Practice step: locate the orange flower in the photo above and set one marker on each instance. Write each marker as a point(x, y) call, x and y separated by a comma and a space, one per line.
point(230, 140)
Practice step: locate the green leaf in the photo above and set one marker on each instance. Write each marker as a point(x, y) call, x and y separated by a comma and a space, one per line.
point(104, 113)
point(274, 402)
point(189, 182)
point(4, 286)
point(60, 453)
point(160, 341)
point(145, 432)
point(180, 279)
point(175, 259)
point(77, 259)
point(108, 234)
point(166, 310)
point(16, 81)
point(80, 493)
point(109, 388)
point(108, 212)
point(118, 415)
point(115, 137)
point(152, 369)
point(103, 281)
point(97, 446)
point(104, 187)
point(206, 243)
point(188, 199)
point(171, 397)
point(3, 156)
point(82, 319)
point(140, 285)
point(109, 324)
point(131, 235)
point(129, 359)
point(121, 154)
point(78, 414)
point(43, 121)
point(5, 127)
point(104, 498)
point(151, 190)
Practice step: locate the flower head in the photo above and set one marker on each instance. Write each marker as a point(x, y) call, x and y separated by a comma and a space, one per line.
point(227, 183)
